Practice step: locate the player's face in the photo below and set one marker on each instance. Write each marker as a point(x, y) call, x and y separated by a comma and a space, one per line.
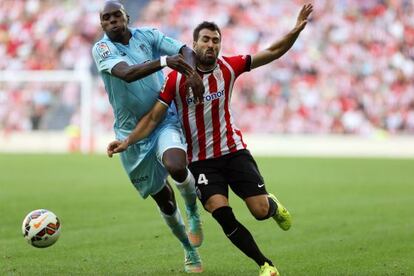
point(207, 47)
point(114, 21)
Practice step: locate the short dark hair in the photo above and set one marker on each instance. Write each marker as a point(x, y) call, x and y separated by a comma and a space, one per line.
point(205, 25)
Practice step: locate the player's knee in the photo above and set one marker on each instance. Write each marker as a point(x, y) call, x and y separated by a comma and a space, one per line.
point(265, 211)
point(261, 212)
point(175, 160)
point(178, 170)
point(215, 202)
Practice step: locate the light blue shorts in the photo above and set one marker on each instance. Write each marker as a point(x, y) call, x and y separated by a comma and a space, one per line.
point(143, 160)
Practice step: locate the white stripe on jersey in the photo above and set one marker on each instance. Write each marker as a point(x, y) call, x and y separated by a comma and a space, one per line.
point(218, 74)
point(208, 120)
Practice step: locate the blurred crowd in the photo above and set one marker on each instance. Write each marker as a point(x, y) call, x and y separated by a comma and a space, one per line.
point(46, 35)
point(351, 70)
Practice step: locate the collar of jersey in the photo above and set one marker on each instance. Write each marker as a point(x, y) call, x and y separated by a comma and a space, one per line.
point(206, 72)
point(132, 30)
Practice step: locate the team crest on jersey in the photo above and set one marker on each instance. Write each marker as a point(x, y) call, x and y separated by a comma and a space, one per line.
point(103, 50)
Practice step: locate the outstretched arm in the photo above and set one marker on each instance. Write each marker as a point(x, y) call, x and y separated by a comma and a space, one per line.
point(130, 73)
point(144, 127)
point(279, 48)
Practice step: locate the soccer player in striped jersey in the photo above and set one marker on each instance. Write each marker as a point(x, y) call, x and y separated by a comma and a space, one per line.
point(215, 148)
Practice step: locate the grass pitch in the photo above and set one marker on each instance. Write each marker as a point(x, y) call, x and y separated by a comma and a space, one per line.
point(351, 217)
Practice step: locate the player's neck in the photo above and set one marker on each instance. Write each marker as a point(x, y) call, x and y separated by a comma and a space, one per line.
point(206, 68)
point(124, 38)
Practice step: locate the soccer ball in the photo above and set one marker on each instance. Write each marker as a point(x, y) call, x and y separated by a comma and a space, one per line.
point(41, 228)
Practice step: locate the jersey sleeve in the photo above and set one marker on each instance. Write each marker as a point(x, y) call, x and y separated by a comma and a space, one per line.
point(163, 44)
point(106, 56)
point(239, 64)
point(168, 90)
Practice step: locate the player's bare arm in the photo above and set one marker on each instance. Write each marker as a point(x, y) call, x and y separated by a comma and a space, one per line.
point(145, 126)
point(280, 47)
point(135, 72)
point(193, 80)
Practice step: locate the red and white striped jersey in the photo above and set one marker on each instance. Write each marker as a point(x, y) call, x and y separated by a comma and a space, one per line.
point(209, 127)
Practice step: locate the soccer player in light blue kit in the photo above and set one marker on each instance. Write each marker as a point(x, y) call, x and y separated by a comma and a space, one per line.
point(130, 62)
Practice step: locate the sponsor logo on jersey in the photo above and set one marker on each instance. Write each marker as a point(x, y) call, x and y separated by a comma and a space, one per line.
point(208, 97)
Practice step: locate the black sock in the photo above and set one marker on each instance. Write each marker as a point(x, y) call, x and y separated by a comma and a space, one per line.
point(239, 235)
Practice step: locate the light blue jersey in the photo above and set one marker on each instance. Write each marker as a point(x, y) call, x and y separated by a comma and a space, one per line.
point(131, 101)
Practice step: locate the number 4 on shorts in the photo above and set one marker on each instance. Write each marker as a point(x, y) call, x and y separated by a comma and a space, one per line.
point(202, 179)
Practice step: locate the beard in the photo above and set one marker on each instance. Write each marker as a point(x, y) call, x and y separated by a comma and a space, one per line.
point(208, 60)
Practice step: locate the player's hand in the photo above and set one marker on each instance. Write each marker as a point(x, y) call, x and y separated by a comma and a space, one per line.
point(116, 147)
point(195, 82)
point(303, 17)
point(178, 63)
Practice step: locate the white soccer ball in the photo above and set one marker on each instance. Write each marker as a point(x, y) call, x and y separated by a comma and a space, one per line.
point(41, 228)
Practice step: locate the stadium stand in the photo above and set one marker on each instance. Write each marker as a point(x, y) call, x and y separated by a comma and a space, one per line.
point(350, 72)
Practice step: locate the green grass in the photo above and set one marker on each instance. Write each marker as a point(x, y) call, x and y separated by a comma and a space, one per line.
point(351, 217)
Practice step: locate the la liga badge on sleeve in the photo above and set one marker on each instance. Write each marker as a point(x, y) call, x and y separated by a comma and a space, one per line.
point(103, 50)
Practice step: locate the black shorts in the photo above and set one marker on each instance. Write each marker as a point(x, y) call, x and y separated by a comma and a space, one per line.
point(237, 170)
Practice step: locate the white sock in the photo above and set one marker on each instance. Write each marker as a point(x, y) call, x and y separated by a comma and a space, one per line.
point(187, 190)
point(177, 226)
